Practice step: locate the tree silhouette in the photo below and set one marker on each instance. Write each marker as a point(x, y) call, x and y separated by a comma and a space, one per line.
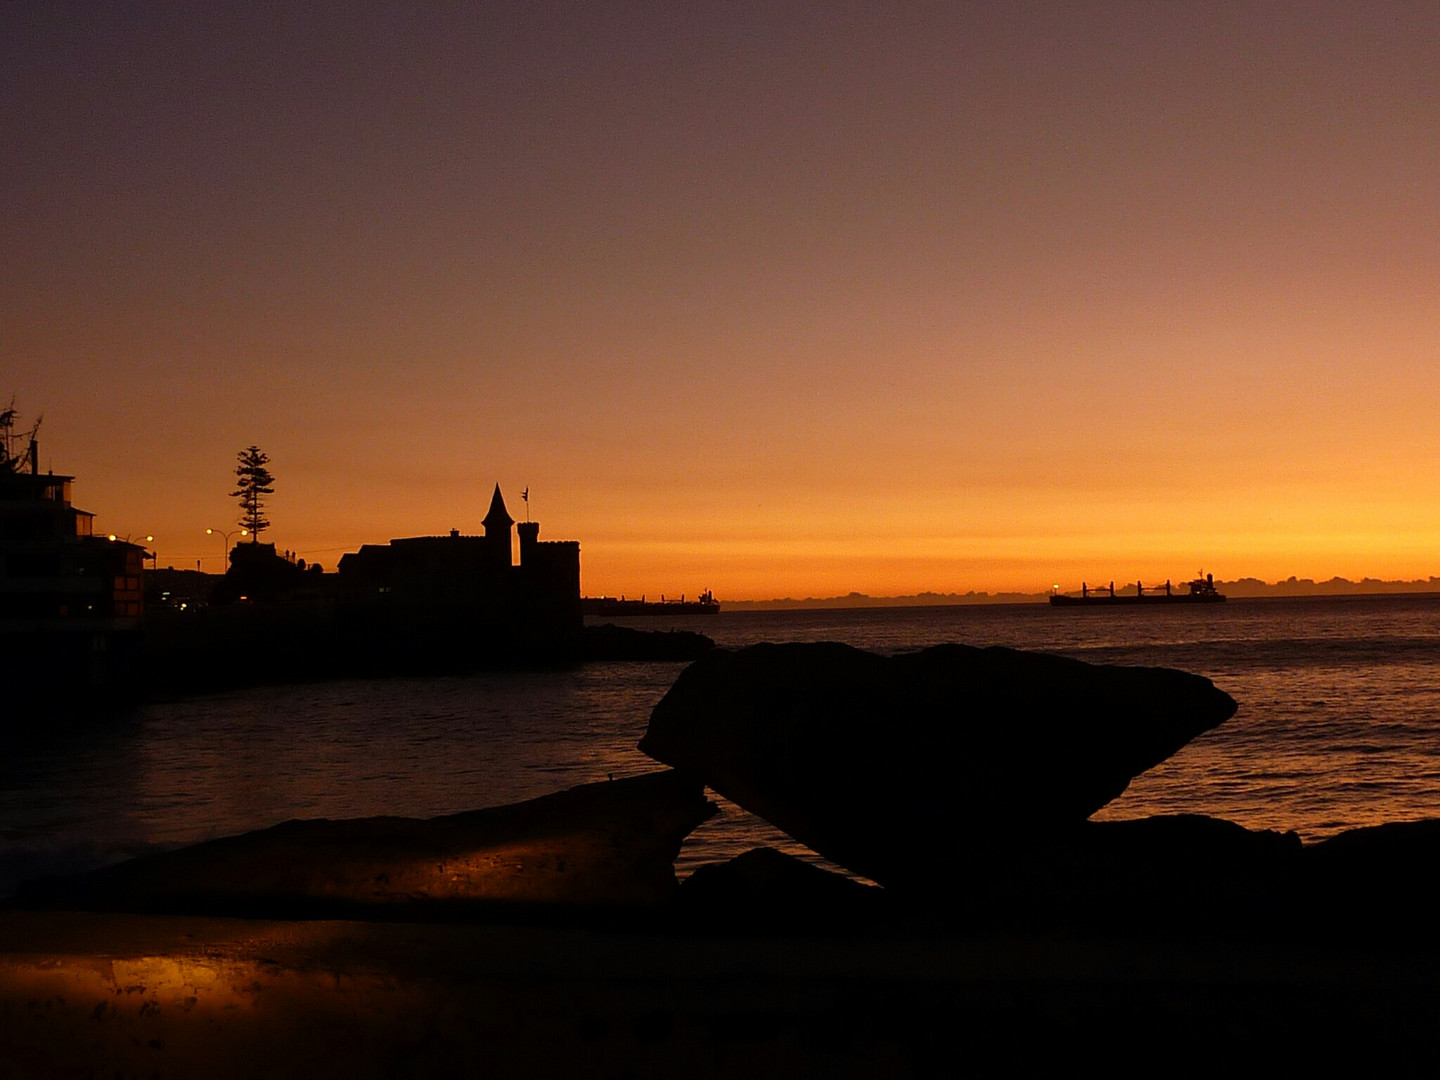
point(252, 482)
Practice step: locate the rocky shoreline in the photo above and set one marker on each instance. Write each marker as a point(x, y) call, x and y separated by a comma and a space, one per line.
point(232, 648)
point(1008, 932)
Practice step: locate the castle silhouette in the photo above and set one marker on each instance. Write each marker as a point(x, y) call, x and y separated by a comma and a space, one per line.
point(476, 577)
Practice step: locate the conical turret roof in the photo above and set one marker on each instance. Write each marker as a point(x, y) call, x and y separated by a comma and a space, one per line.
point(498, 517)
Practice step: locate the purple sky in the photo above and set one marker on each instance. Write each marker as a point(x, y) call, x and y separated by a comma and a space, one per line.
point(773, 298)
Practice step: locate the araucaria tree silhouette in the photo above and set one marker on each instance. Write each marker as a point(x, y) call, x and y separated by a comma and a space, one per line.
point(252, 483)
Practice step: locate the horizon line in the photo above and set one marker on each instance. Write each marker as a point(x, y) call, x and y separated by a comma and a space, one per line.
point(1242, 587)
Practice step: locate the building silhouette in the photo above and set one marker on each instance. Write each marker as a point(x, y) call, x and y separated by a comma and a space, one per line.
point(473, 584)
point(70, 602)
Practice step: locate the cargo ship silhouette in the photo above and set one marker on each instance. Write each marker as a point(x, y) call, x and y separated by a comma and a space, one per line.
point(1201, 590)
point(610, 606)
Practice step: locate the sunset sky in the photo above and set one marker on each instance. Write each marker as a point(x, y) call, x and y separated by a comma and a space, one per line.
point(772, 298)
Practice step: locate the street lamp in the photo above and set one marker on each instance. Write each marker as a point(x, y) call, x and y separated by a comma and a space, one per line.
point(131, 539)
point(225, 554)
point(154, 556)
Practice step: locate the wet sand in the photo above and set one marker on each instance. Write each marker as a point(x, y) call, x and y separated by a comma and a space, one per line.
point(171, 996)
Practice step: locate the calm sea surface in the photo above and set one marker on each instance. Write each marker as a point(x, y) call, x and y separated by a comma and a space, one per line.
point(1339, 726)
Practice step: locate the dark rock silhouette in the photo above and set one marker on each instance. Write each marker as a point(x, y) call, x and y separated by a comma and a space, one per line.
point(1165, 875)
point(608, 845)
point(611, 642)
point(243, 645)
point(765, 890)
point(895, 767)
point(1380, 880)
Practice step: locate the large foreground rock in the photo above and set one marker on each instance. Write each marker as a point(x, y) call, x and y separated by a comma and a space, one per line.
point(609, 845)
point(1179, 875)
point(892, 765)
point(1174, 874)
point(768, 891)
point(1377, 880)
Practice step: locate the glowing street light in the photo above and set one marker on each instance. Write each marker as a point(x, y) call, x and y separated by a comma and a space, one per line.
point(154, 556)
point(131, 538)
point(225, 553)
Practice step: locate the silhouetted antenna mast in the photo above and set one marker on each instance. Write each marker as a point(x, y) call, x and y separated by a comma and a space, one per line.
point(10, 459)
point(7, 428)
point(525, 496)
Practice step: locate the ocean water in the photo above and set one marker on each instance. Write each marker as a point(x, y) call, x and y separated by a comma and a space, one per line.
point(1339, 726)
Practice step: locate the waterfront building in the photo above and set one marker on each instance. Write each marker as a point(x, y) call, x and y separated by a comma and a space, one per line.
point(70, 601)
point(476, 578)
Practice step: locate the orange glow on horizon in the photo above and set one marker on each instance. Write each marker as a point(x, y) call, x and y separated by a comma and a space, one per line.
point(920, 302)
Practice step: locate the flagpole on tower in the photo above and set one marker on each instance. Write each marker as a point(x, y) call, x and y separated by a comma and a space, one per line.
point(525, 495)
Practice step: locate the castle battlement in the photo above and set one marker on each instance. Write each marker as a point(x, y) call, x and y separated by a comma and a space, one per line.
point(540, 593)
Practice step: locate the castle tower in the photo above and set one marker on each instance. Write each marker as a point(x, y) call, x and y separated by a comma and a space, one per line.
point(529, 532)
point(497, 533)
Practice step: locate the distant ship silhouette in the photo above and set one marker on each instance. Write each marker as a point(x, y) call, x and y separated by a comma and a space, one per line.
point(1201, 590)
point(611, 606)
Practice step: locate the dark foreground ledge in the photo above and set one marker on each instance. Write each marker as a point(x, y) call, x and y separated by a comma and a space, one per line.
point(180, 996)
point(602, 850)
